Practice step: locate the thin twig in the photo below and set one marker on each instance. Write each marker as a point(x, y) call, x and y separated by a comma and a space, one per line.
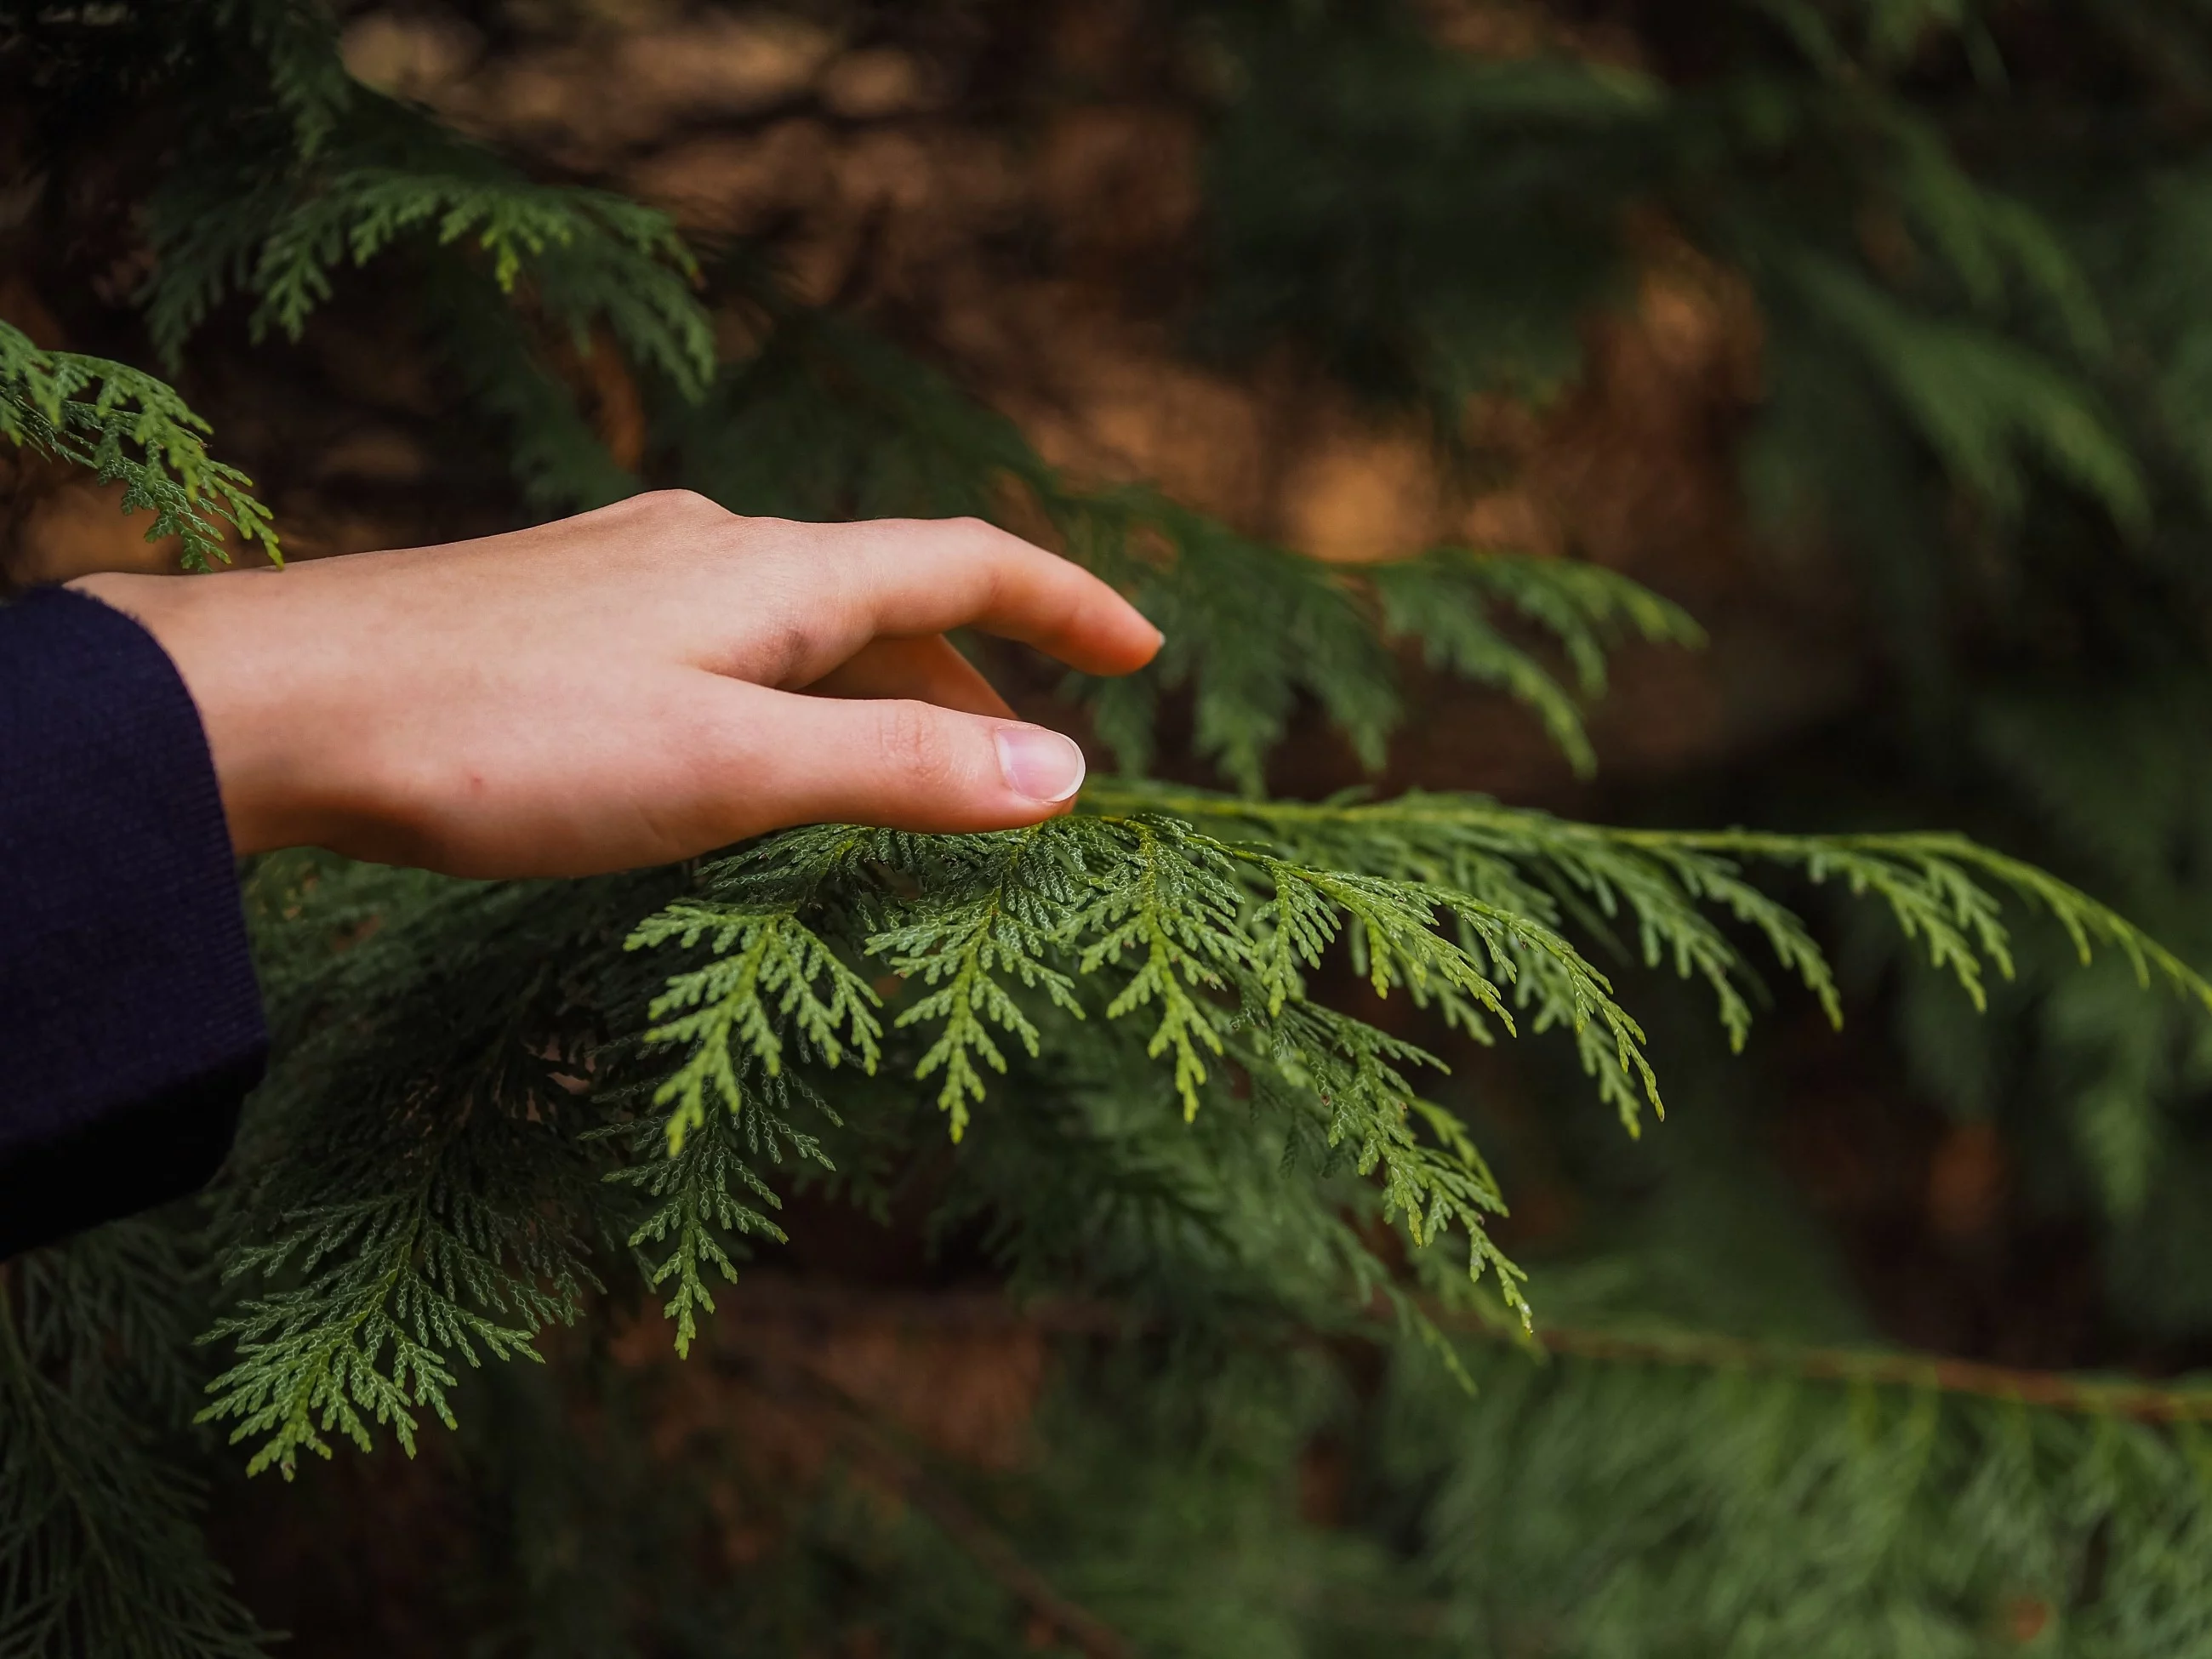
point(2072, 1392)
point(2062, 1391)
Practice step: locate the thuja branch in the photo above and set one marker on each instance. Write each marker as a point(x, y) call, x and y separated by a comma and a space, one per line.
point(1200, 939)
point(98, 1545)
point(1141, 923)
point(1662, 881)
point(132, 429)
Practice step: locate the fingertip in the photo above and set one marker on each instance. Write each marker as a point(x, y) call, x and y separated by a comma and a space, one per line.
point(1040, 764)
point(1133, 642)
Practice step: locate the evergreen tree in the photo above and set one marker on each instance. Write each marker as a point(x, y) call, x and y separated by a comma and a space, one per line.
point(1186, 1091)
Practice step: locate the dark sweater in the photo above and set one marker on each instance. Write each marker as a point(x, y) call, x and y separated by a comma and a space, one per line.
point(131, 1025)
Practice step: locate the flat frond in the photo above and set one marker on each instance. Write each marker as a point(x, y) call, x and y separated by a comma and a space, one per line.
point(134, 429)
point(100, 1551)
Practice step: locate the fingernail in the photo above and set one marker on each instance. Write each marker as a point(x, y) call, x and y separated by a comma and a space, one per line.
point(1041, 764)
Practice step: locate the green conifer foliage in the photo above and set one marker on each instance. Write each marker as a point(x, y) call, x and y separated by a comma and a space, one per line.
point(134, 430)
point(1187, 1073)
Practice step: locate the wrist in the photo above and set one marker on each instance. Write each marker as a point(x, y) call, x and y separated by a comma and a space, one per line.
point(227, 636)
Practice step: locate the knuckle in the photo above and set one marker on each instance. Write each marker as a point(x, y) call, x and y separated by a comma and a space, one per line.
point(912, 744)
point(988, 541)
point(680, 504)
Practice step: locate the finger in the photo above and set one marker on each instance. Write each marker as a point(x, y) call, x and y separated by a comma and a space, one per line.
point(914, 576)
point(898, 763)
point(928, 669)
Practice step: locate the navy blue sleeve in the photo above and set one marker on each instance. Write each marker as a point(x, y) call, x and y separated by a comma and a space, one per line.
point(130, 1026)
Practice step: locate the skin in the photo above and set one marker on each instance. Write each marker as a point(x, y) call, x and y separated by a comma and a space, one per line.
point(629, 687)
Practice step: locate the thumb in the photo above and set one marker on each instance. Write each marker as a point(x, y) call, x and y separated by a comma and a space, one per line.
point(900, 764)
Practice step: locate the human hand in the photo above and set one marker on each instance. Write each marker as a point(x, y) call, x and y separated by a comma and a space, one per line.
point(621, 688)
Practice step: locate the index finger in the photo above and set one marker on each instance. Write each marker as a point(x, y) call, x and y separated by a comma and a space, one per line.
point(914, 576)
